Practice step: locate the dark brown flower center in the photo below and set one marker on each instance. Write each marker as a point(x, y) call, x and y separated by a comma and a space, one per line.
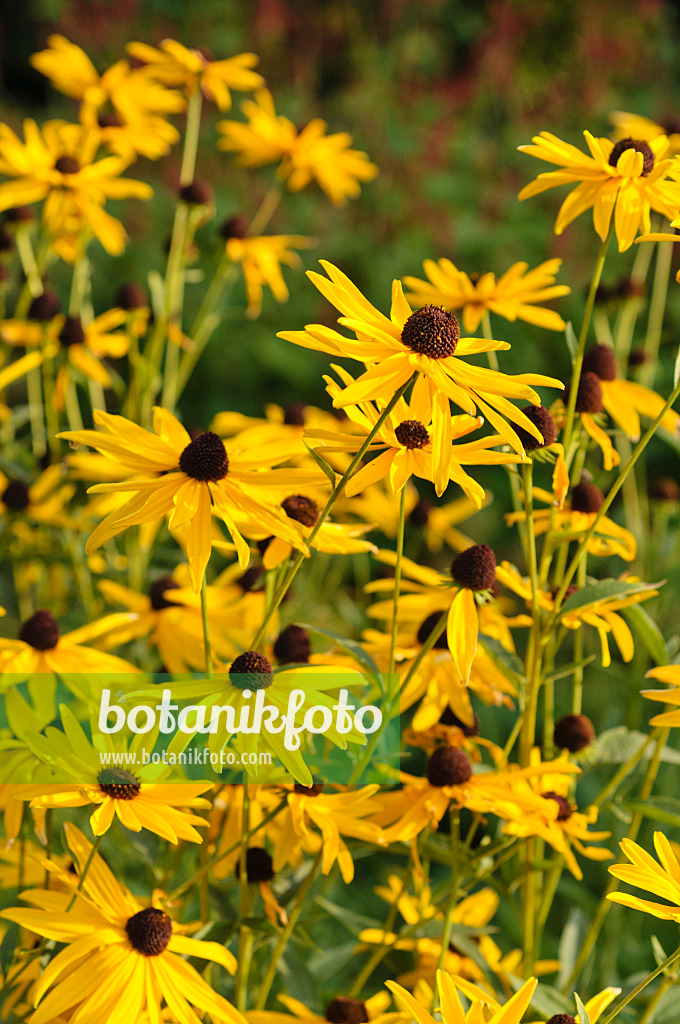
point(426, 629)
point(292, 646)
point(149, 931)
point(564, 812)
point(561, 1018)
point(198, 193)
point(118, 783)
point(589, 394)
point(420, 512)
point(108, 121)
point(313, 790)
point(541, 418)
point(640, 147)
point(72, 333)
point(343, 1010)
point(249, 578)
point(431, 331)
point(664, 488)
point(412, 434)
point(294, 415)
point(574, 732)
point(205, 458)
point(259, 865)
point(40, 631)
point(251, 671)
point(131, 296)
point(303, 510)
point(475, 568)
point(447, 717)
point(158, 589)
point(602, 362)
point(45, 306)
point(15, 496)
point(586, 497)
point(235, 227)
point(67, 165)
point(448, 766)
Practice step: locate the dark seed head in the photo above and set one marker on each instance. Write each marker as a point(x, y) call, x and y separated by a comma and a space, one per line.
point(475, 568)
point(249, 578)
point(542, 419)
point(198, 193)
point(602, 362)
point(420, 512)
point(303, 510)
point(67, 165)
point(251, 671)
point(574, 732)
point(426, 628)
point(589, 394)
point(565, 812)
point(447, 717)
point(586, 497)
point(640, 147)
point(637, 357)
point(72, 333)
point(292, 646)
point(205, 458)
point(664, 488)
point(431, 331)
point(294, 415)
point(412, 434)
point(259, 865)
point(45, 306)
point(313, 790)
point(118, 784)
point(561, 1018)
point(157, 590)
point(343, 1010)
point(40, 631)
point(15, 496)
point(6, 241)
point(131, 296)
point(448, 766)
point(235, 227)
point(19, 215)
point(149, 931)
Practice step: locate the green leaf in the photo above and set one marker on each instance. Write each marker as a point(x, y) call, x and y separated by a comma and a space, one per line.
point(616, 746)
point(660, 953)
point(648, 632)
point(664, 809)
point(351, 646)
point(676, 370)
point(572, 343)
point(570, 943)
point(582, 1012)
point(352, 921)
point(606, 589)
point(321, 463)
point(506, 662)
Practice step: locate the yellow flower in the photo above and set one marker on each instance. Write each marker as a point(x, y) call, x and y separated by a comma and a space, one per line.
point(342, 1008)
point(637, 127)
point(628, 179)
point(116, 952)
point(261, 259)
point(484, 1007)
point(304, 156)
point(43, 501)
point(197, 477)
point(665, 674)
point(660, 879)
point(126, 105)
point(596, 1006)
point(15, 371)
point(427, 342)
point(57, 163)
point(416, 439)
point(513, 296)
point(175, 65)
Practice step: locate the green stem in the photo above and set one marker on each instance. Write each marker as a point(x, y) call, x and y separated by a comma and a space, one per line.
point(83, 874)
point(577, 693)
point(638, 988)
point(454, 818)
point(651, 1006)
point(397, 579)
point(193, 128)
point(657, 306)
point(245, 937)
point(206, 628)
point(533, 668)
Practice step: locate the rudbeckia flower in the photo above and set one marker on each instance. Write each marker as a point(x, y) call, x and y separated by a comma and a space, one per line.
point(304, 156)
point(484, 1007)
point(425, 341)
point(197, 477)
point(126, 105)
point(410, 443)
point(660, 879)
point(576, 516)
point(634, 126)
point(57, 163)
point(192, 70)
point(514, 295)
point(43, 501)
point(628, 178)
point(118, 955)
point(665, 674)
point(341, 1010)
point(261, 260)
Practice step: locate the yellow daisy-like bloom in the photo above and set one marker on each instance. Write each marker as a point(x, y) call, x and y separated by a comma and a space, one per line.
point(484, 1007)
point(576, 516)
point(342, 1008)
point(596, 1006)
point(665, 674)
point(426, 342)
point(115, 792)
point(119, 958)
point(43, 501)
point(261, 259)
point(13, 372)
point(635, 126)
point(408, 443)
point(660, 879)
point(57, 163)
point(304, 156)
point(514, 295)
point(126, 104)
point(175, 65)
point(198, 477)
point(628, 179)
